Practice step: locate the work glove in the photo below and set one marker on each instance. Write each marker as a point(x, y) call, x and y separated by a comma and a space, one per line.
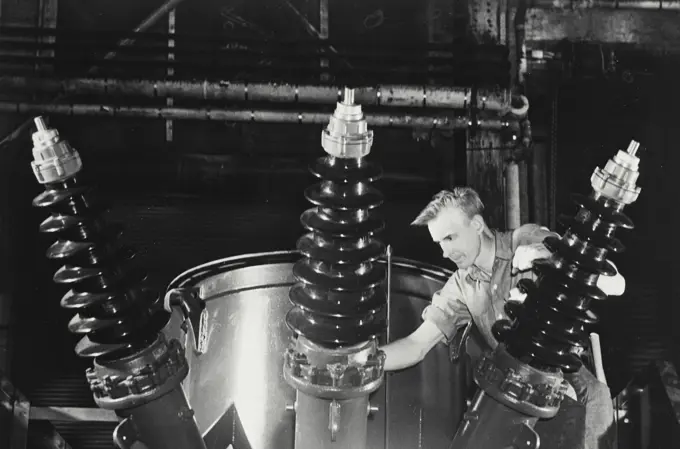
point(526, 254)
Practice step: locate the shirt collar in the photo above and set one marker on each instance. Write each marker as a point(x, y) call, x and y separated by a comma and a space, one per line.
point(503, 252)
point(503, 245)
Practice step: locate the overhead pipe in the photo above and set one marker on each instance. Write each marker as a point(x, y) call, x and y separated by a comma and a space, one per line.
point(402, 120)
point(419, 96)
point(144, 25)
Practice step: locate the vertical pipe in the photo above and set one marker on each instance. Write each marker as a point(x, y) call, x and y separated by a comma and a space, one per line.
point(324, 34)
point(539, 184)
point(553, 161)
point(512, 196)
point(524, 192)
point(171, 72)
point(388, 339)
point(597, 357)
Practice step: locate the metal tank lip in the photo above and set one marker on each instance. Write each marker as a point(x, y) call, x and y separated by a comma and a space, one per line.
point(215, 267)
point(235, 279)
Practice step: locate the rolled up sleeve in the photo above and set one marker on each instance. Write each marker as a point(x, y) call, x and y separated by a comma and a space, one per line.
point(448, 312)
point(530, 234)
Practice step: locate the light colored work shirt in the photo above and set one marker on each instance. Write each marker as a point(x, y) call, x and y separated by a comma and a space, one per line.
point(472, 294)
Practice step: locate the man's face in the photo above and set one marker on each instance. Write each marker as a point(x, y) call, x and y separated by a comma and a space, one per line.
point(458, 236)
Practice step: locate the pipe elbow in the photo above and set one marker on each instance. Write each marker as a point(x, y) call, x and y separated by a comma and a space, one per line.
point(519, 106)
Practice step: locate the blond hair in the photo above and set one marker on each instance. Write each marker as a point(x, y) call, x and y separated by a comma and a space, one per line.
point(464, 198)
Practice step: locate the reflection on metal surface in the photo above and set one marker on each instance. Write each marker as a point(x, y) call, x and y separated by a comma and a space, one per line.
point(236, 387)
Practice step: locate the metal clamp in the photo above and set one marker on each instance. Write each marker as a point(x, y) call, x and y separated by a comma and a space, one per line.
point(372, 409)
point(457, 345)
point(334, 419)
point(388, 253)
point(125, 435)
point(195, 314)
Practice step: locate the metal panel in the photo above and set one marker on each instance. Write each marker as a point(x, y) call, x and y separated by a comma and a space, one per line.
point(648, 28)
point(19, 13)
point(487, 20)
point(486, 157)
point(486, 152)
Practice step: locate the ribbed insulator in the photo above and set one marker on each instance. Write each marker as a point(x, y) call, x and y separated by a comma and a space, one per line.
point(340, 299)
point(113, 309)
point(552, 325)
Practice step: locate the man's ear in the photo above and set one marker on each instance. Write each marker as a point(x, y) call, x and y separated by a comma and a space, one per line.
point(477, 223)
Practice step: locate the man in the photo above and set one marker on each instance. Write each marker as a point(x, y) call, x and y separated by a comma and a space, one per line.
point(489, 265)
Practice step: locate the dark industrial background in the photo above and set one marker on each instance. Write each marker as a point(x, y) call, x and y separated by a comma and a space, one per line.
point(222, 189)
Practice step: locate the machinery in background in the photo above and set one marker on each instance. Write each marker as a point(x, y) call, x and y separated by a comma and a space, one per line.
point(521, 381)
point(339, 303)
point(137, 371)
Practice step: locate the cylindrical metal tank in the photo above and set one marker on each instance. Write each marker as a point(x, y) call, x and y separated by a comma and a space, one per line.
point(236, 387)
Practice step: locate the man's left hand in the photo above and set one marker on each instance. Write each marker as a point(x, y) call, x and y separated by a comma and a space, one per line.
point(526, 254)
point(612, 285)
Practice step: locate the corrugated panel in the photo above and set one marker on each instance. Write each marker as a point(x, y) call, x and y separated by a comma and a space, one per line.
point(632, 330)
point(651, 341)
point(69, 389)
point(87, 435)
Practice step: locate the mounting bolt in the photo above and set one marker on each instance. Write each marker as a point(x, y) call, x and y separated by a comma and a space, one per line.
point(372, 409)
point(185, 414)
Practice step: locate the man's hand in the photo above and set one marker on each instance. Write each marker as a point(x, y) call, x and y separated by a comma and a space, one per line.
point(612, 285)
point(526, 254)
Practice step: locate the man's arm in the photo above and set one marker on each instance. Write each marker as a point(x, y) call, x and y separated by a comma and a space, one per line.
point(441, 320)
point(411, 350)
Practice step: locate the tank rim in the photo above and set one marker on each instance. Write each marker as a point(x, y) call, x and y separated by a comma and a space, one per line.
point(198, 273)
